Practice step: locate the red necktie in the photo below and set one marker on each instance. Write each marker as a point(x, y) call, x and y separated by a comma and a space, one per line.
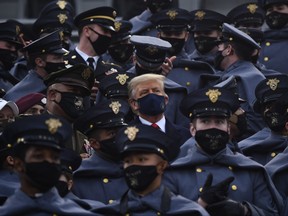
point(154, 125)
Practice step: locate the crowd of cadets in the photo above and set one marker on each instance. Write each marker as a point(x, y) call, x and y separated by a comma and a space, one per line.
point(173, 112)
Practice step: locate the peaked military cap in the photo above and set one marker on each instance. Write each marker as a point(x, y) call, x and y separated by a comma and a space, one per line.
point(143, 138)
point(212, 101)
point(150, 51)
point(50, 43)
point(105, 69)
point(116, 85)
point(55, 15)
point(270, 89)
point(9, 32)
point(232, 34)
point(172, 20)
point(103, 16)
point(122, 31)
point(60, 5)
point(79, 75)
point(40, 130)
point(70, 160)
point(48, 23)
point(24, 31)
point(106, 114)
point(268, 3)
point(207, 20)
point(256, 34)
point(247, 14)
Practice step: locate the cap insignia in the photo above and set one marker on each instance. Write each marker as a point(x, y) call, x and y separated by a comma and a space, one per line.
point(115, 106)
point(122, 78)
point(114, 14)
point(213, 95)
point(117, 26)
point(53, 125)
point(18, 30)
point(86, 73)
point(151, 50)
point(62, 18)
point(131, 132)
point(172, 14)
point(273, 83)
point(20, 140)
point(200, 15)
point(61, 4)
point(252, 8)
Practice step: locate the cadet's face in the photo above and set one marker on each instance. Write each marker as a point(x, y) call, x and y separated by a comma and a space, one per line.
point(35, 110)
point(104, 134)
point(281, 8)
point(40, 154)
point(7, 114)
point(54, 58)
point(174, 34)
point(97, 29)
point(148, 87)
point(6, 45)
point(67, 88)
point(213, 33)
point(141, 158)
point(210, 122)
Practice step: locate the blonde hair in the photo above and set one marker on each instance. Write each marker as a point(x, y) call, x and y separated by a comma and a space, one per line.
point(144, 78)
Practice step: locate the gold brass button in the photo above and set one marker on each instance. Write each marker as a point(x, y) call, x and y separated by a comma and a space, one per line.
point(105, 180)
point(199, 170)
point(111, 201)
point(127, 214)
point(234, 187)
point(188, 84)
point(73, 57)
point(186, 68)
point(273, 154)
point(268, 43)
point(266, 58)
point(230, 167)
point(200, 189)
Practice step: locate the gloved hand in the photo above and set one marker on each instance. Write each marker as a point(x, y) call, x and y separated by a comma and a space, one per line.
point(218, 192)
point(228, 207)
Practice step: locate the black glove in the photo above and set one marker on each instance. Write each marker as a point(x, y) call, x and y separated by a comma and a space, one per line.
point(227, 207)
point(218, 192)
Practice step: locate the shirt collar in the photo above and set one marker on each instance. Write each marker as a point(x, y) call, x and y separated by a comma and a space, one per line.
point(161, 123)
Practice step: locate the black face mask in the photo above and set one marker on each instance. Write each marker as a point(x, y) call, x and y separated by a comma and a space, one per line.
point(72, 104)
point(102, 43)
point(276, 20)
point(140, 70)
point(152, 104)
point(43, 175)
point(8, 58)
point(177, 45)
point(218, 59)
point(138, 178)
point(205, 44)
point(121, 52)
point(212, 140)
point(275, 121)
point(52, 67)
point(158, 5)
point(62, 188)
point(109, 147)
